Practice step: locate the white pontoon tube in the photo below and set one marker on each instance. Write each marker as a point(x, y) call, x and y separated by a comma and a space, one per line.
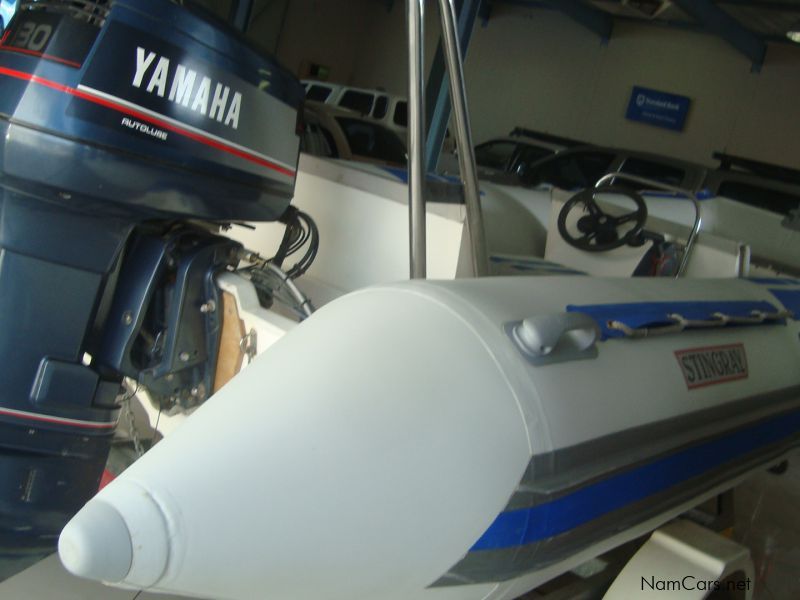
point(535, 434)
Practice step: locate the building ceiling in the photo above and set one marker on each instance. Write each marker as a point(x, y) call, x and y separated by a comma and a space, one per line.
point(768, 18)
point(747, 25)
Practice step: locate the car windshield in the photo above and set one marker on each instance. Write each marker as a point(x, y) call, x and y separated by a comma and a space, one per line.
point(656, 171)
point(318, 93)
point(358, 101)
point(528, 155)
point(372, 140)
point(494, 155)
point(570, 171)
point(773, 200)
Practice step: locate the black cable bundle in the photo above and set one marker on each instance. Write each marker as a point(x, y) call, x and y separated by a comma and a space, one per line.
point(268, 276)
point(300, 228)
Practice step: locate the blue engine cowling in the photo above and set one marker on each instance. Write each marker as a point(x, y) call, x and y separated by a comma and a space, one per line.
point(148, 107)
point(119, 123)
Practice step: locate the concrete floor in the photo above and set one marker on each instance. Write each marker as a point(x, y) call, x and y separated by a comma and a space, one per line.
point(768, 522)
point(48, 580)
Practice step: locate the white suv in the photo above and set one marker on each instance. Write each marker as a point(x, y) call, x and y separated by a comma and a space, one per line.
point(391, 111)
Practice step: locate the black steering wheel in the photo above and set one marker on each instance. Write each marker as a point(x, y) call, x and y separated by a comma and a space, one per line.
point(601, 231)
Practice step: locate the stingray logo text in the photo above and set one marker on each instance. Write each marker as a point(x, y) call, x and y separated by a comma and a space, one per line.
point(712, 365)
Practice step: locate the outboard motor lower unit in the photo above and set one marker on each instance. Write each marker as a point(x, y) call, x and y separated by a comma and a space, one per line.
point(130, 132)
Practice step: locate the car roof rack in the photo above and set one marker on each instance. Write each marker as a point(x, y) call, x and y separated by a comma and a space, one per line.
point(545, 137)
point(729, 162)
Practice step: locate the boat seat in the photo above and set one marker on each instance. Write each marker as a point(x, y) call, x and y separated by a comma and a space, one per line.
point(714, 256)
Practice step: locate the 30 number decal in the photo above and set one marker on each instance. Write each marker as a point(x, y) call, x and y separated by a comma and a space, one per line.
point(33, 36)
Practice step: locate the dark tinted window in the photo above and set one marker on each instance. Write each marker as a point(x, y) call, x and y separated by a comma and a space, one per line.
point(401, 114)
point(318, 93)
point(529, 155)
point(738, 164)
point(358, 101)
point(769, 199)
point(570, 171)
point(372, 140)
point(495, 155)
point(381, 105)
point(667, 174)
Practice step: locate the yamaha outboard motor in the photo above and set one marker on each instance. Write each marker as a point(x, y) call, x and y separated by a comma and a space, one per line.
point(130, 132)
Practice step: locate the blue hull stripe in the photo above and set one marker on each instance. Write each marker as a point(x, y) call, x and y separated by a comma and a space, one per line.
point(525, 526)
point(774, 280)
point(704, 194)
point(790, 299)
point(402, 175)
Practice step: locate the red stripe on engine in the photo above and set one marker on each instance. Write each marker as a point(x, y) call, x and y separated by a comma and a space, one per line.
point(26, 416)
point(64, 61)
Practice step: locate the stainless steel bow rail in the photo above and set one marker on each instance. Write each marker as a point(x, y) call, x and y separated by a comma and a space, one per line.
point(463, 135)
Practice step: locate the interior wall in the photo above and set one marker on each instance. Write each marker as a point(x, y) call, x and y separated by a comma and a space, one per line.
point(535, 69)
point(381, 60)
point(539, 69)
point(324, 32)
point(266, 23)
point(771, 124)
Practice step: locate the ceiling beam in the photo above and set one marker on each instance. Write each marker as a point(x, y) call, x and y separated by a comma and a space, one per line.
point(595, 20)
point(717, 21)
point(688, 25)
point(763, 5)
point(437, 88)
point(485, 12)
point(770, 5)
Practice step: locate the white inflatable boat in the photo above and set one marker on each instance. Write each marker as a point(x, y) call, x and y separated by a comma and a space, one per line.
point(459, 438)
point(467, 439)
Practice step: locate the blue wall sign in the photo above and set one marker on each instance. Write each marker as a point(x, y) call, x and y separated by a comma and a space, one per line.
point(658, 108)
